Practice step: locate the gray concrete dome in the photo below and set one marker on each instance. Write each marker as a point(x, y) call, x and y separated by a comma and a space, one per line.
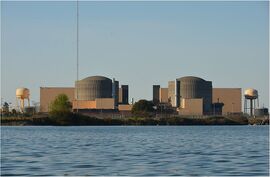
point(190, 78)
point(93, 87)
point(195, 87)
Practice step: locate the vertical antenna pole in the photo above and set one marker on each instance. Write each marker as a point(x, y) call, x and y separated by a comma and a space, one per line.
point(77, 53)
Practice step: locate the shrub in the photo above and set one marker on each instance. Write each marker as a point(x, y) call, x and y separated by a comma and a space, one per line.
point(143, 108)
point(60, 107)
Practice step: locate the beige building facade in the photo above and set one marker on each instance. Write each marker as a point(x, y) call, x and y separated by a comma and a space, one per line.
point(163, 95)
point(125, 107)
point(83, 104)
point(48, 94)
point(231, 97)
point(98, 103)
point(105, 103)
point(171, 93)
point(193, 106)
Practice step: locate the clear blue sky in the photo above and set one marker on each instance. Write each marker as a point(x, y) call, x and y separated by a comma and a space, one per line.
point(138, 43)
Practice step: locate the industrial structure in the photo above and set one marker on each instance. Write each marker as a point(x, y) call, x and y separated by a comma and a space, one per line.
point(230, 97)
point(156, 94)
point(194, 89)
point(48, 94)
point(261, 112)
point(251, 95)
point(188, 95)
point(115, 92)
point(93, 87)
point(89, 94)
point(123, 94)
point(21, 95)
point(195, 96)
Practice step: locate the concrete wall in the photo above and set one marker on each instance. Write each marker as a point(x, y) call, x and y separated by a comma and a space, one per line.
point(120, 95)
point(115, 92)
point(191, 106)
point(99, 103)
point(48, 94)
point(93, 87)
point(163, 95)
point(125, 107)
point(105, 103)
point(123, 94)
point(83, 104)
point(156, 93)
point(194, 87)
point(125, 97)
point(171, 93)
point(231, 97)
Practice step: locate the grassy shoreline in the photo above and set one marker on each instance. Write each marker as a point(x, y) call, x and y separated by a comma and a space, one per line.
point(81, 120)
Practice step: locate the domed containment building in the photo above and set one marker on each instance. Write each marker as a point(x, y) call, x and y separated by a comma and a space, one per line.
point(93, 87)
point(94, 92)
point(91, 93)
point(194, 95)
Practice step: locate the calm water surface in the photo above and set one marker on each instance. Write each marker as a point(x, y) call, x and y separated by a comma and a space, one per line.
point(127, 150)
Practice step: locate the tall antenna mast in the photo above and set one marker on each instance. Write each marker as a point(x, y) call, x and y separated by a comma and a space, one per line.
point(77, 52)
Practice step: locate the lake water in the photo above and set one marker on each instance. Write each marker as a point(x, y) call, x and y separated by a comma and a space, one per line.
point(135, 150)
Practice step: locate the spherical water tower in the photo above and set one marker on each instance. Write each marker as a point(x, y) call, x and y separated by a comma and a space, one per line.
point(251, 95)
point(21, 94)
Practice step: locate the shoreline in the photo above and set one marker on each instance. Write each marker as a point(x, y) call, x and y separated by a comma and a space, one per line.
point(81, 120)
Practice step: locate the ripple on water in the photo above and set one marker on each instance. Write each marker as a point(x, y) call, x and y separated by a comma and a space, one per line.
point(193, 150)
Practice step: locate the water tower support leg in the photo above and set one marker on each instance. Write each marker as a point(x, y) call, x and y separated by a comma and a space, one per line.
point(251, 107)
point(245, 106)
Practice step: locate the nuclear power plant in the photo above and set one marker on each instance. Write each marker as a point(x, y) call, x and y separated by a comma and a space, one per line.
point(187, 95)
point(192, 95)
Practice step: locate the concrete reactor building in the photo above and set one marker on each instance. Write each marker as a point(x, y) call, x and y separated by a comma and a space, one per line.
point(194, 90)
point(93, 87)
point(195, 96)
point(95, 92)
point(91, 93)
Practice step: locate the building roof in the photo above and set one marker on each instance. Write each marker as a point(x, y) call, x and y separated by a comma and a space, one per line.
point(91, 78)
point(190, 78)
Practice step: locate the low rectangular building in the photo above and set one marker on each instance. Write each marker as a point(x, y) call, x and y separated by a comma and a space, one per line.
point(192, 106)
point(231, 97)
point(83, 104)
point(105, 103)
point(125, 107)
point(99, 103)
point(48, 95)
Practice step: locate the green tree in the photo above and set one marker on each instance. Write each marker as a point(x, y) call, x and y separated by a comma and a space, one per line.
point(60, 107)
point(14, 112)
point(5, 108)
point(143, 108)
